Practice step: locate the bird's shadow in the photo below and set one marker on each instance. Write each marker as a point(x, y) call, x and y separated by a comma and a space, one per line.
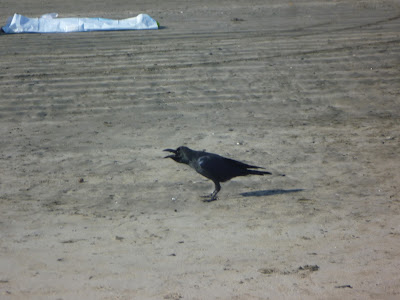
point(262, 193)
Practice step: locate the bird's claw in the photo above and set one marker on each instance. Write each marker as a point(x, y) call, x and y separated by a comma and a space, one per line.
point(209, 198)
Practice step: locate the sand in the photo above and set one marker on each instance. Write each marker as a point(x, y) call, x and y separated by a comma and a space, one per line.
point(89, 209)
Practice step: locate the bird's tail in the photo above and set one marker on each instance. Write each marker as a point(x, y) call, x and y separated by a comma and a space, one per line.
point(253, 172)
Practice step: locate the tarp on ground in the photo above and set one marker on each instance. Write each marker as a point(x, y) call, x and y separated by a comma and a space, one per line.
point(50, 23)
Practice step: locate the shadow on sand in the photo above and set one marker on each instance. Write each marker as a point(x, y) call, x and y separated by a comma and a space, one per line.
point(269, 192)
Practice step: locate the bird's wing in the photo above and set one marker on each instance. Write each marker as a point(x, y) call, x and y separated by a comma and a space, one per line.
point(240, 164)
point(212, 167)
point(221, 169)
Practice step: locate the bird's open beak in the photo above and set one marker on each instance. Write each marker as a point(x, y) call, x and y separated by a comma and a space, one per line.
point(170, 150)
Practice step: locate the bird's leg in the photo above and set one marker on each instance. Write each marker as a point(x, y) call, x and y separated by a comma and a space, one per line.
point(214, 194)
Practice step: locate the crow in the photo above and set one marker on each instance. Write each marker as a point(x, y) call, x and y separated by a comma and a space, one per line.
point(213, 166)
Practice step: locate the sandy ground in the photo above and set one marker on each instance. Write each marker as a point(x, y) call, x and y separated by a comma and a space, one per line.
point(89, 209)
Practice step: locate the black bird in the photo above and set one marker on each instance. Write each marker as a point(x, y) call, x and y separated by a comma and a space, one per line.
point(213, 166)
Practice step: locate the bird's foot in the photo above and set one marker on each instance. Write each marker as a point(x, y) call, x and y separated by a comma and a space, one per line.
point(209, 198)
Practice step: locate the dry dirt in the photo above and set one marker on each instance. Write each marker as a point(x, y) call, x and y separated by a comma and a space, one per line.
point(89, 209)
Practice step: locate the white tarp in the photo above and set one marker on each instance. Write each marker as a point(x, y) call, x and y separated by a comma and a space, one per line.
point(49, 23)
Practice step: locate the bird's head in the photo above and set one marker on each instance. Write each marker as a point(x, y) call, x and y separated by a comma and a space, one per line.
point(179, 155)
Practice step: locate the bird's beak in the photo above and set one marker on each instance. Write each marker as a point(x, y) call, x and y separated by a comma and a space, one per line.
point(170, 150)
